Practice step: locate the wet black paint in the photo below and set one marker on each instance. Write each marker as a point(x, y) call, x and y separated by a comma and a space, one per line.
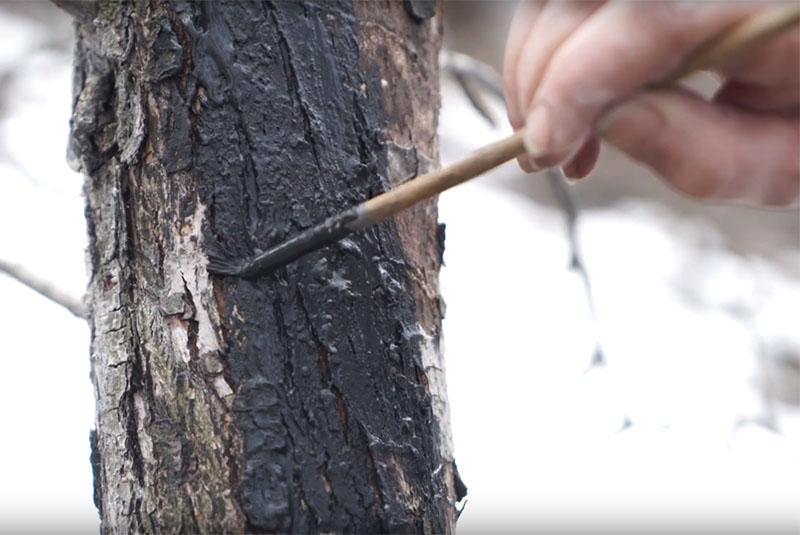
point(325, 357)
point(335, 228)
point(94, 460)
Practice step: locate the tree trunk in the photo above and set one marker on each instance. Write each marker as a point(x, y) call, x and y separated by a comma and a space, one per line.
point(312, 399)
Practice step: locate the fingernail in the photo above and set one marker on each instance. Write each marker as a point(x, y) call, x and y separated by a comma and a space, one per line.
point(570, 174)
point(565, 177)
point(549, 139)
point(525, 164)
point(537, 132)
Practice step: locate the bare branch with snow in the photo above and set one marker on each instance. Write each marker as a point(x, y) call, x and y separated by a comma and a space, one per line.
point(44, 288)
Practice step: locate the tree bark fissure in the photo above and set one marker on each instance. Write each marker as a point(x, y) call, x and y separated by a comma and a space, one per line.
point(312, 399)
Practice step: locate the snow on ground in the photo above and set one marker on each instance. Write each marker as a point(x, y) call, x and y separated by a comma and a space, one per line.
point(673, 430)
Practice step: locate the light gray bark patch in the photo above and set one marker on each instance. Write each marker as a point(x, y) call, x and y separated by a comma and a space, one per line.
point(166, 449)
point(129, 115)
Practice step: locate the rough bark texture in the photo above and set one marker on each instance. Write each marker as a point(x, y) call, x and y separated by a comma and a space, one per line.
point(312, 399)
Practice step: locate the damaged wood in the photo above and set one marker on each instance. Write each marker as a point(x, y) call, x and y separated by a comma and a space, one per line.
point(310, 400)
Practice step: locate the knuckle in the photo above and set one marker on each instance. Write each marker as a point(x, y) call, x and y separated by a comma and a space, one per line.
point(693, 177)
point(694, 184)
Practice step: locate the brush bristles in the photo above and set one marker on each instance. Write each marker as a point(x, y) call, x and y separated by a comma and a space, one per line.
point(329, 231)
point(221, 262)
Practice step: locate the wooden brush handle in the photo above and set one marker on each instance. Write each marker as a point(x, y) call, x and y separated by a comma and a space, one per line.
point(424, 186)
point(735, 41)
point(715, 53)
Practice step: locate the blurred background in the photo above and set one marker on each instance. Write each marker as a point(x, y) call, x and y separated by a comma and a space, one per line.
point(619, 358)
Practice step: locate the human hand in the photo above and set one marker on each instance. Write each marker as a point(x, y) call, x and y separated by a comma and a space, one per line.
point(577, 70)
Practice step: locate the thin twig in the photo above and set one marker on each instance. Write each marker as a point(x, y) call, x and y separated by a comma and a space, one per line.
point(567, 204)
point(477, 70)
point(44, 288)
point(466, 70)
point(472, 75)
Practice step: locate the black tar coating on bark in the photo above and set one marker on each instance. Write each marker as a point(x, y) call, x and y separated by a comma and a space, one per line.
point(324, 354)
point(329, 231)
point(420, 9)
point(94, 460)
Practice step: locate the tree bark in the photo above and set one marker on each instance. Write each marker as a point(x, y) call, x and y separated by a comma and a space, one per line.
point(312, 399)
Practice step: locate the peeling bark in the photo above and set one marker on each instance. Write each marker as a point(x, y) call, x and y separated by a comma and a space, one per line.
point(313, 399)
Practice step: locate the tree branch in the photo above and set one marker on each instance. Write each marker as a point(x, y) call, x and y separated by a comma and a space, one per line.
point(570, 210)
point(44, 288)
point(472, 75)
point(468, 72)
point(82, 10)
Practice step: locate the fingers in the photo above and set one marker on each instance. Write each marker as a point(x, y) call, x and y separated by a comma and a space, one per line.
point(784, 99)
point(773, 64)
point(615, 52)
point(709, 151)
point(584, 161)
point(555, 22)
point(767, 79)
point(520, 30)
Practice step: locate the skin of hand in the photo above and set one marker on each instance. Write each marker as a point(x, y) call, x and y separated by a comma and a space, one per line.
point(576, 71)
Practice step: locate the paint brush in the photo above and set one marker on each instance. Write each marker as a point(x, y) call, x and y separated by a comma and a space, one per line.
point(714, 53)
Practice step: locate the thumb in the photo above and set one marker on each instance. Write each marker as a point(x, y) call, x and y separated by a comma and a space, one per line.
point(707, 150)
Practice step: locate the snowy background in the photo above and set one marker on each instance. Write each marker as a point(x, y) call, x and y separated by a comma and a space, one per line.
point(693, 420)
